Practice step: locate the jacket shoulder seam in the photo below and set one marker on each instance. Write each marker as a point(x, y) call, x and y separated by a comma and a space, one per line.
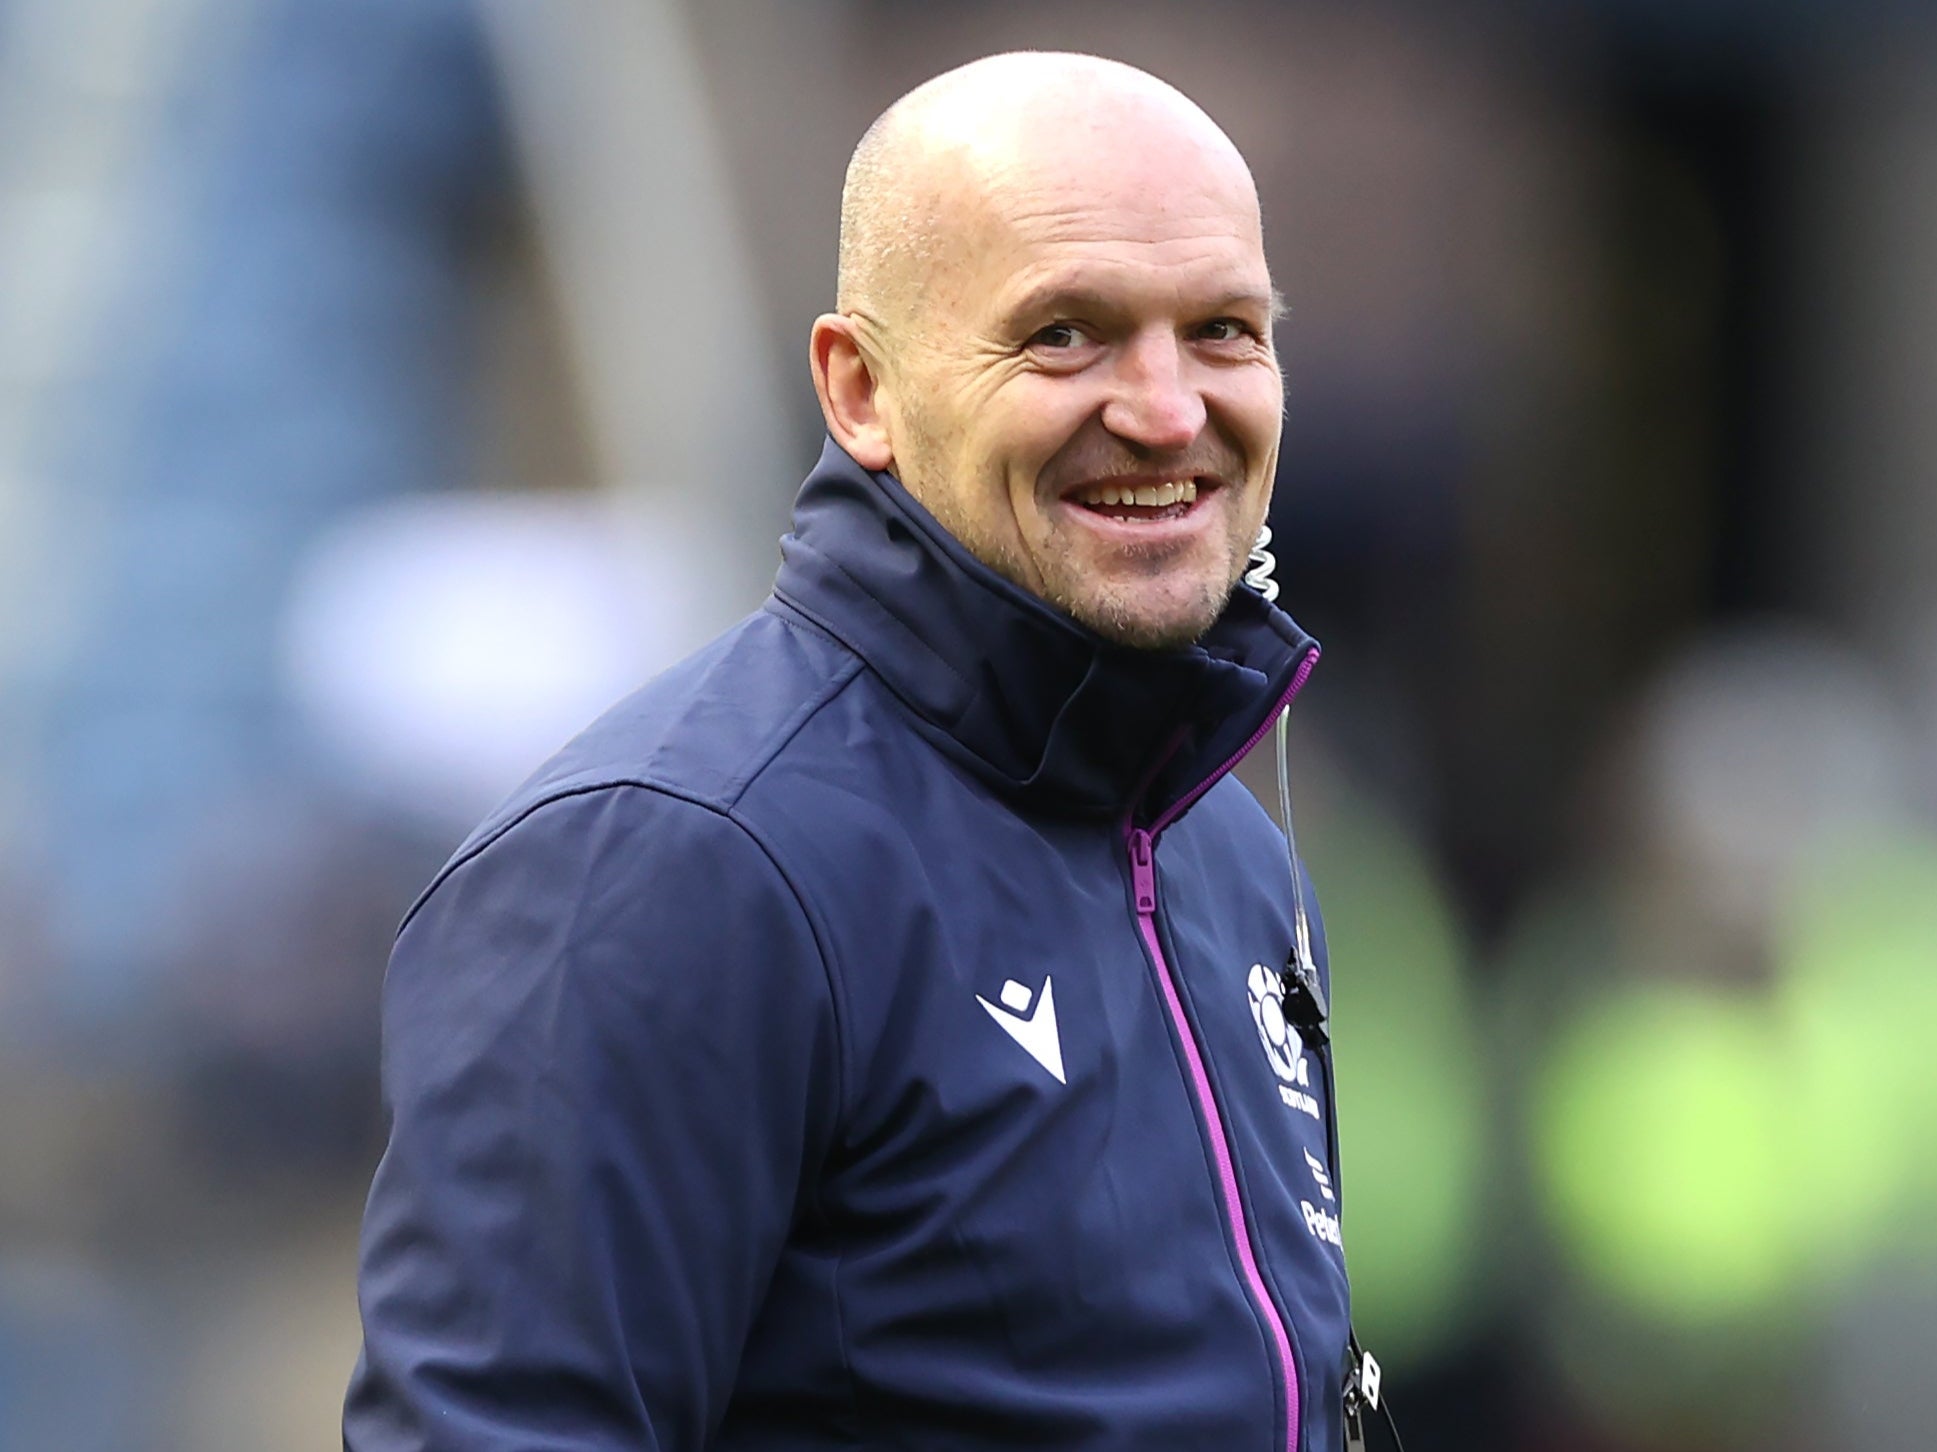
point(804, 713)
point(823, 949)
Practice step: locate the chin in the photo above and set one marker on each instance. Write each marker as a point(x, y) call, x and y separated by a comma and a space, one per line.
point(1120, 623)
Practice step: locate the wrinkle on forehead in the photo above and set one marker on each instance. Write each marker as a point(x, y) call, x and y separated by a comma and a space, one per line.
point(1057, 144)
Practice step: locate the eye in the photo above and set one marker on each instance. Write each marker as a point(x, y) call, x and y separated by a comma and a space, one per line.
point(1058, 337)
point(1226, 330)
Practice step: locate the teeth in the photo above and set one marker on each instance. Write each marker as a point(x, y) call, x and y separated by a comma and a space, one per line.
point(1148, 496)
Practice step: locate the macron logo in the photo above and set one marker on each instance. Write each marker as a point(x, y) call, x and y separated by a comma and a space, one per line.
point(1035, 1031)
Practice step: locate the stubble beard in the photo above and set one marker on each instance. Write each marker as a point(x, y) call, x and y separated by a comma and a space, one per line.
point(1108, 608)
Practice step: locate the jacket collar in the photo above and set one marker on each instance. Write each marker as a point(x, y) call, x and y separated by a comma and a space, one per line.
point(1036, 704)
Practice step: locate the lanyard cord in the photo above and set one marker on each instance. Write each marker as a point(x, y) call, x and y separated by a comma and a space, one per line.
point(1305, 997)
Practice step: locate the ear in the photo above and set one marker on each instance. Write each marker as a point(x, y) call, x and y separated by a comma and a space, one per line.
point(848, 382)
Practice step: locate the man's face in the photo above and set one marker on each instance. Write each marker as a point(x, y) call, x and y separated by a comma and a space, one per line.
point(1089, 398)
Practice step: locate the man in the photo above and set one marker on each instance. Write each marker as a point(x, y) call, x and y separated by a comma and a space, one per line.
point(871, 1033)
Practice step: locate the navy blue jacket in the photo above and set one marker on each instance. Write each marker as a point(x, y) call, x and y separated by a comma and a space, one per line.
point(867, 1035)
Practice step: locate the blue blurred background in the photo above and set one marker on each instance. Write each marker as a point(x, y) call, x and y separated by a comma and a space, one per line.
point(384, 388)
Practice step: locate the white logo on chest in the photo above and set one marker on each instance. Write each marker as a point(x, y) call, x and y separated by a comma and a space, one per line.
point(1034, 1030)
point(1282, 1045)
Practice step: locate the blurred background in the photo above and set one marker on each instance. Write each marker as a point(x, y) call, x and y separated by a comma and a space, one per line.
point(386, 388)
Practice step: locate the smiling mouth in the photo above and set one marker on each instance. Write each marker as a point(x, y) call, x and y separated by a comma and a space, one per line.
point(1141, 502)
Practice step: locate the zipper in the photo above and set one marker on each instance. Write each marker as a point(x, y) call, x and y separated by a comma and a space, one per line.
point(1189, 799)
point(1143, 878)
point(1141, 844)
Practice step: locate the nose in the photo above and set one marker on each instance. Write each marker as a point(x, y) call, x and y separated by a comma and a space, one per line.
point(1155, 402)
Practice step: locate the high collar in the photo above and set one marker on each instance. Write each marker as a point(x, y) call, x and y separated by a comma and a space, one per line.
point(1041, 707)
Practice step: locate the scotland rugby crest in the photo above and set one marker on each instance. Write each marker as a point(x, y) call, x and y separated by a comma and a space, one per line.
point(1282, 1044)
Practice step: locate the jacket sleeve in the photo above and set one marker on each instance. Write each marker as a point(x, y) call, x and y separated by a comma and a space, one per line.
point(610, 1064)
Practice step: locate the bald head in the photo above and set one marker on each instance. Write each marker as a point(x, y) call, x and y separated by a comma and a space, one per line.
point(935, 163)
point(1054, 328)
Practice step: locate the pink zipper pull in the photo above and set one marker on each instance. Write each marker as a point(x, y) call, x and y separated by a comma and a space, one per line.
point(1143, 872)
